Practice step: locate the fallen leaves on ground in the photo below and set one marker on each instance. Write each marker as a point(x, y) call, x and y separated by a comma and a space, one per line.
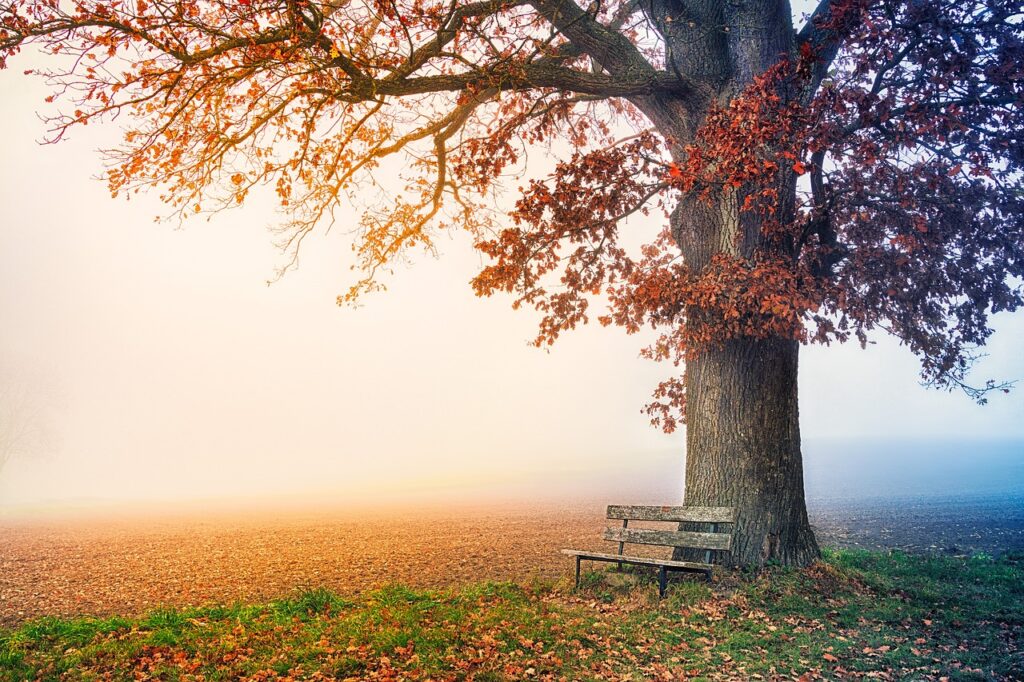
point(128, 566)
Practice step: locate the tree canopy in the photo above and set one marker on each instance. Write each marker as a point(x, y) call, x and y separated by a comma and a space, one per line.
point(875, 169)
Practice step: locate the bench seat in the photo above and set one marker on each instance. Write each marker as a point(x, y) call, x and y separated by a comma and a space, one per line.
point(639, 560)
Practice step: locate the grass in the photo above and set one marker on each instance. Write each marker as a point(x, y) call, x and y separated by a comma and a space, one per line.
point(855, 614)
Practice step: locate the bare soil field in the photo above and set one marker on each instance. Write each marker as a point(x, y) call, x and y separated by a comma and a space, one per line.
point(107, 566)
point(950, 525)
point(128, 566)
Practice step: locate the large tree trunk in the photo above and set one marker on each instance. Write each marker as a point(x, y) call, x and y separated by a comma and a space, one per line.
point(743, 447)
point(743, 433)
point(742, 416)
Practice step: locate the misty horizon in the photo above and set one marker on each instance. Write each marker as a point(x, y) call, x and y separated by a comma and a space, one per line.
point(837, 472)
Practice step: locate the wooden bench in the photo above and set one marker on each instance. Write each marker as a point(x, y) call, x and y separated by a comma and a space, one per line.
point(712, 541)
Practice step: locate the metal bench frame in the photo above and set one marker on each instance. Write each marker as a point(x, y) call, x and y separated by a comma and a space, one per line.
point(708, 541)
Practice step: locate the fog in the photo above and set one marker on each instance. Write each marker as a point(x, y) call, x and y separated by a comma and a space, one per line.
point(170, 372)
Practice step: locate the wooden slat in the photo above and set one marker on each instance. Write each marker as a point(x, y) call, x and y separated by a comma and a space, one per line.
point(695, 514)
point(642, 560)
point(669, 538)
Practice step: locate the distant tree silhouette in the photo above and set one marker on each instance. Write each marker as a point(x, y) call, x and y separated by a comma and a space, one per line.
point(26, 417)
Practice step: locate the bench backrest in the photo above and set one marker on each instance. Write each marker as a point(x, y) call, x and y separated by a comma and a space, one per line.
point(712, 540)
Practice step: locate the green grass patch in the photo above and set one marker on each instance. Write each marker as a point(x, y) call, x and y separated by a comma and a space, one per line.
point(853, 614)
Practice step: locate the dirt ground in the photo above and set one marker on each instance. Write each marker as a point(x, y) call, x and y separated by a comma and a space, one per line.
point(127, 566)
point(107, 565)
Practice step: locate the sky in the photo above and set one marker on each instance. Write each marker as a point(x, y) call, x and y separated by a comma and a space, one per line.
point(171, 370)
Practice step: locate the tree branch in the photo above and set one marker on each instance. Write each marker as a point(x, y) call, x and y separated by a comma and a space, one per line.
point(829, 25)
point(606, 46)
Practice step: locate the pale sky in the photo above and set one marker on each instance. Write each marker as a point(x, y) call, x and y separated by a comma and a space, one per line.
point(173, 371)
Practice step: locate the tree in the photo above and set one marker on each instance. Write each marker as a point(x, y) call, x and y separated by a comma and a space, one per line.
point(25, 415)
point(860, 173)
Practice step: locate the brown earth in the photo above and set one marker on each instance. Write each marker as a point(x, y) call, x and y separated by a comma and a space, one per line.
point(107, 566)
point(104, 565)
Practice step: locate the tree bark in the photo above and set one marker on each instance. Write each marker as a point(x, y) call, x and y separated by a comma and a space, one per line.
point(742, 415)
point(743, 448)
point(742, 422)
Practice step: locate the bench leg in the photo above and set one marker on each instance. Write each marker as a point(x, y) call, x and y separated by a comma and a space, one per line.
point(577, 573)
point(662, 581)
